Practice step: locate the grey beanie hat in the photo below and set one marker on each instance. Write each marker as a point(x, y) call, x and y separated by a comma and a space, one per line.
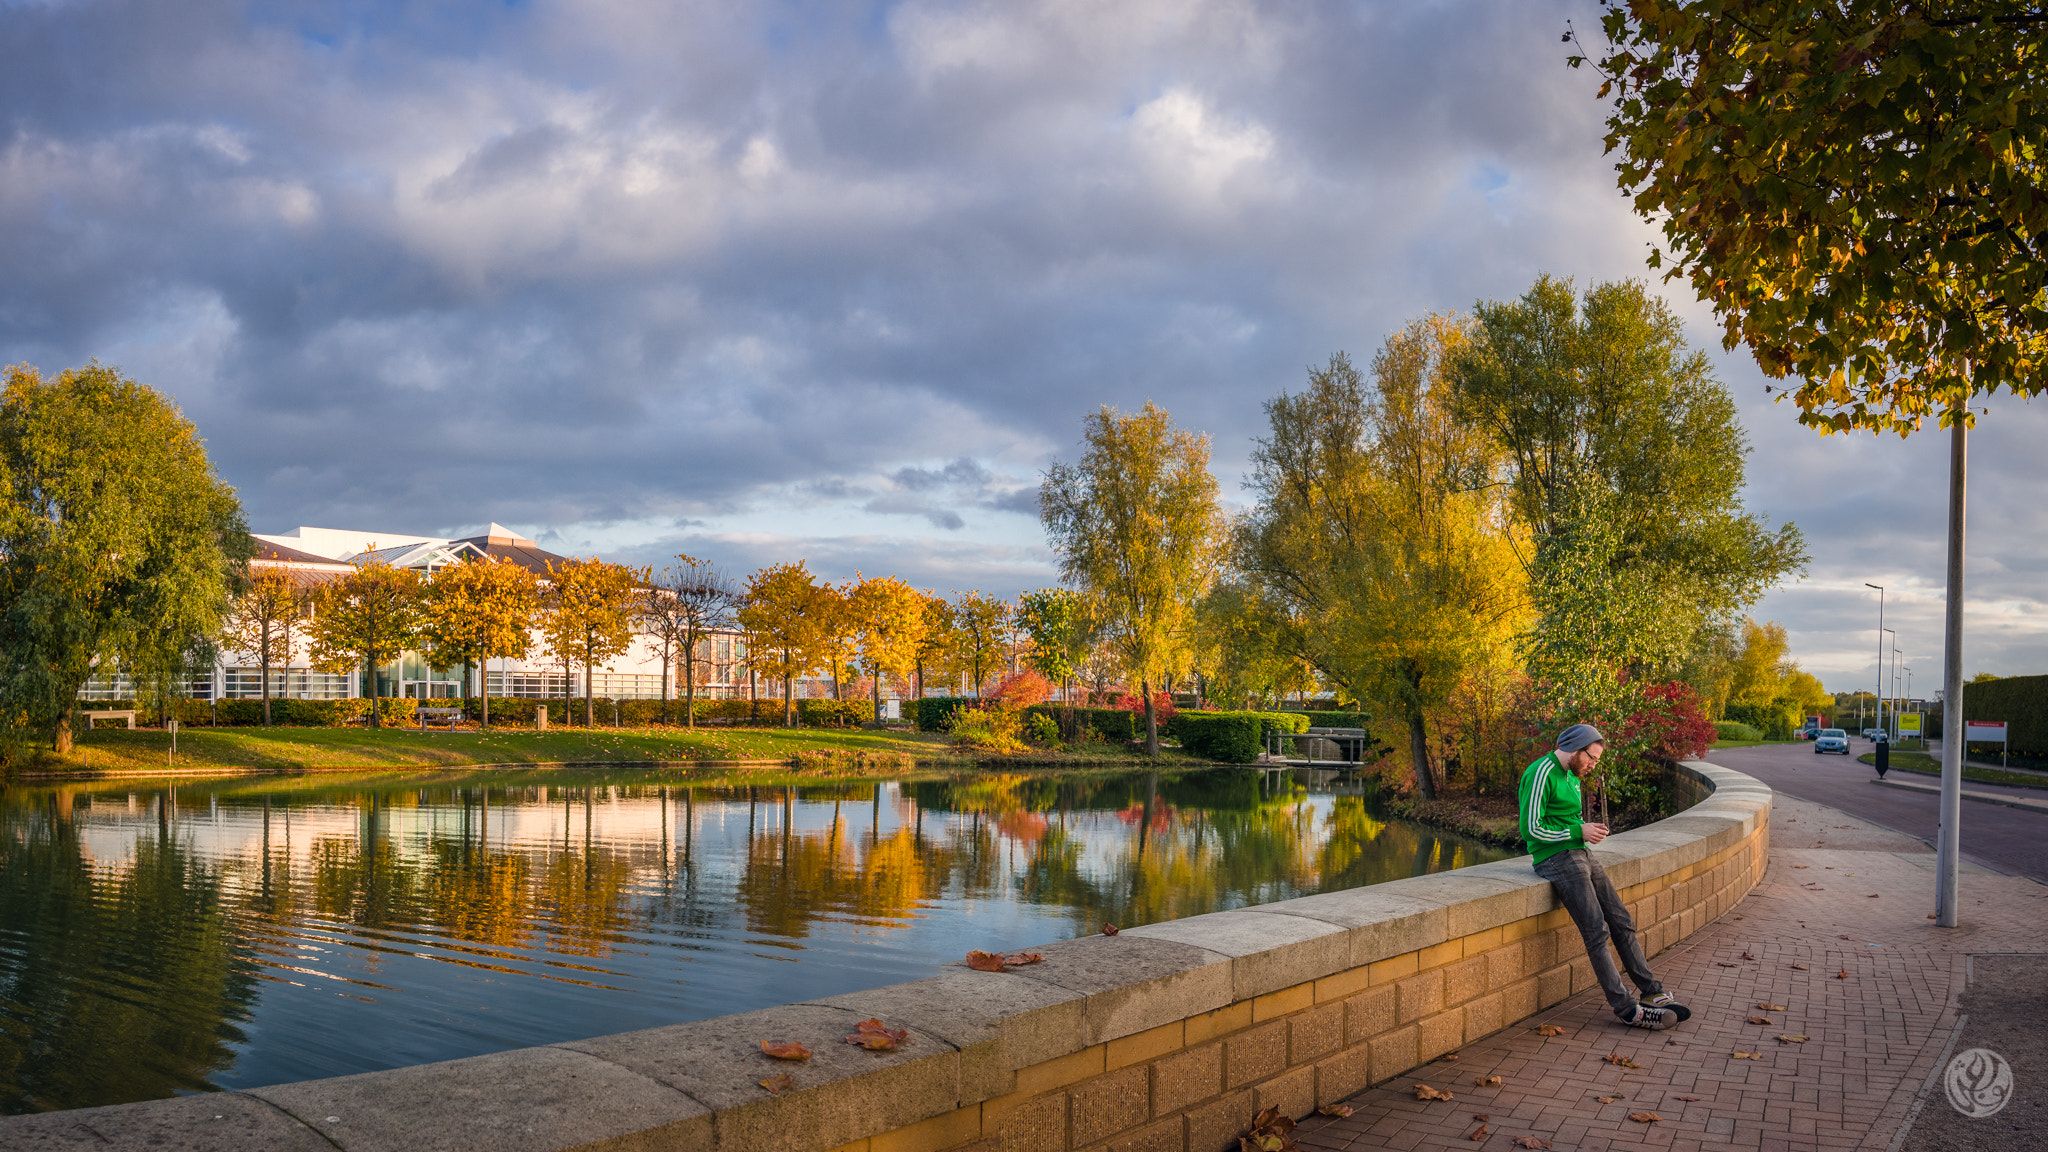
point(1578, 738)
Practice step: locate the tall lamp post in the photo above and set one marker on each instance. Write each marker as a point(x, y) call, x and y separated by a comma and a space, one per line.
point(1880, 652)
point(1891, 681)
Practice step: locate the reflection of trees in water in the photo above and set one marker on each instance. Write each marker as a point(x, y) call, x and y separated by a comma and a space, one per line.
point(118, 983)
point(793, 878)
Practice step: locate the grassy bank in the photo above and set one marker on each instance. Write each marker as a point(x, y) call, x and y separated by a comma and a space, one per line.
point(343, 749)
point(1488, 819)
point(1925, 765)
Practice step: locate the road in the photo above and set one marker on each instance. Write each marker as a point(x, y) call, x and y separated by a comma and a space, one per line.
point(2002, 839)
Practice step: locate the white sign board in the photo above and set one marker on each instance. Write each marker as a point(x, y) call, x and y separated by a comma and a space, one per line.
point(1984, 731)
point(892, 709)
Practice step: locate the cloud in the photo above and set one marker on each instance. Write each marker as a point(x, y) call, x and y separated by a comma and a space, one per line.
point(834, 282)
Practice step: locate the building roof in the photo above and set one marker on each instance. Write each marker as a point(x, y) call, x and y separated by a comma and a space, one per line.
point(508, 547)
point(342, 549)
point(278, 555)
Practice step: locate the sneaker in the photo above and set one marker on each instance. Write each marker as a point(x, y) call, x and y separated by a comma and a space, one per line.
point(1670, 1004)
point(1656, 1019)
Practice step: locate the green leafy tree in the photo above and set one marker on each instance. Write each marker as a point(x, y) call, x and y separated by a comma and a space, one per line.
point(781, 618)
point(682, 607)
point(476, 612)
point(364, 620)
point(263, 623)
point(587, 614)
point(1250, 647)
point(981, 624)
point(1136, 526)
point(1055, 623)
point(118, 544)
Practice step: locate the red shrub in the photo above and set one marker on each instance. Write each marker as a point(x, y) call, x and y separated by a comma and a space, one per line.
point(1023, 689)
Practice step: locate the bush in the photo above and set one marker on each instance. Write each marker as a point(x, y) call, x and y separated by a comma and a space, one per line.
point(1043, 729)
point(935, 713)
point(834, 713)
point(1775, 721)
point(1023, 689)
point(1735, 730)
point(1112, 724)
point(2020, 701)
point(993, 726)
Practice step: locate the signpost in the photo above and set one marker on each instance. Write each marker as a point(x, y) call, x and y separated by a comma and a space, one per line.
point(1984, 732)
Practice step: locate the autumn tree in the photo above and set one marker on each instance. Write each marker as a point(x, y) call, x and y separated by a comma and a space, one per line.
point(476, 612)
point(681, 607)
point(1377, 533)
point(586, 613)
point(981, 623)
point(835, 632)
point(936, 642)
point(118, 544)
point(263, 624)
point(1135, 524)
point(1857, 190)
point(365, 620)
point(888, 622)
point(1248, 646)
point(780, 615)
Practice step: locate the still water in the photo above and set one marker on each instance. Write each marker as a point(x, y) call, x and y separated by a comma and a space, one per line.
point(165, 937)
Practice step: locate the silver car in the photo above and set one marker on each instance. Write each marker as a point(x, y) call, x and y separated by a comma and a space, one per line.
point(1831, 740)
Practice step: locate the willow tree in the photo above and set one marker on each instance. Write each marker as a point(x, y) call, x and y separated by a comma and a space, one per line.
point(587, 614)
point(1377, 530)
point(1857, 190)
point(364, 620)
point(118, 544)
point(477, 612)
point(1136, 526)
point(263, 624)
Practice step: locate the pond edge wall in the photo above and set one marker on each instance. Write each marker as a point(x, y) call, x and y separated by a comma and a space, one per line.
point(1163, 1038)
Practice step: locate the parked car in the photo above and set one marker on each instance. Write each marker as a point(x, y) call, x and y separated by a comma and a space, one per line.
point(1831, 740)
point(1872, 733)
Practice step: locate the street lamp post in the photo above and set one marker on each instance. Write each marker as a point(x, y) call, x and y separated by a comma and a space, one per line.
point(1891, 683)
point(1880, 652)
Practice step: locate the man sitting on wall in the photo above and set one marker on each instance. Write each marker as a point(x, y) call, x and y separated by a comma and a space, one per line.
point(1551, 807)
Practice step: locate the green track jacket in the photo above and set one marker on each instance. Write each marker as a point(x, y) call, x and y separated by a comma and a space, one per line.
point(1551, 808)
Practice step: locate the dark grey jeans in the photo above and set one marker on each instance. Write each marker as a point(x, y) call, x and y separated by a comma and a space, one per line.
point(1589, 896)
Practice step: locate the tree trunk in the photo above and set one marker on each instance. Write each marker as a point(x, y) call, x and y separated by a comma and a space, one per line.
point(60, 739)
point(876, 718)
point(589, 705)
point(1151, 720)
point(370, 671)
point(1418, 752)
point(789, 702)
point(690, 683)
point(486, 694)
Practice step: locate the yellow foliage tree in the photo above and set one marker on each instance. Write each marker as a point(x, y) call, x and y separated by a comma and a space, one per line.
point(477, 611)
point(587, 615)
point(262, 624)
point(981, 625)
point(936, 642)
point(780, 616)
point(363, 620)
point(888, 618)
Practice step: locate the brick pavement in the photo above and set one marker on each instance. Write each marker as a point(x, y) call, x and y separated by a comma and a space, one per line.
point(1857, 907)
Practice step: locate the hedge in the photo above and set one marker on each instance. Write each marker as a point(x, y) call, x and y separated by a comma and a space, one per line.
point(935, 713)
point(1775, 722)
point(1735, 730)
point(1116, 725)
point(513, 710)
point(1233, 737)
point(2020, 701)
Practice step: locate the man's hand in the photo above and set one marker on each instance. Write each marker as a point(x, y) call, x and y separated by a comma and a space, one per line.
point(1593, 833)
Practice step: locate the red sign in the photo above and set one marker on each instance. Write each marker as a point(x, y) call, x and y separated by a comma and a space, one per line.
point(1984, 731)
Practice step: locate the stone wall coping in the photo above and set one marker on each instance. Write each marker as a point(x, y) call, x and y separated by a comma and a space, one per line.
point(697, 1084)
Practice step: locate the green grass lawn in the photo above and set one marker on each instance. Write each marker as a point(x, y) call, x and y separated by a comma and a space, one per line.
point(119, 749)
point(1925, 765)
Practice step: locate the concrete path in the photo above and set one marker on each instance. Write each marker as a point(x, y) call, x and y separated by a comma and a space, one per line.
point(1837, 933)
point(2000, 838)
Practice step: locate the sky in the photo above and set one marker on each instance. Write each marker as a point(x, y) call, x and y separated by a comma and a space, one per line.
point(766, 281)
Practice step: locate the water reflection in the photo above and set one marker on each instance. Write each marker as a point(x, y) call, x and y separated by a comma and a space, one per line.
point(158, 939)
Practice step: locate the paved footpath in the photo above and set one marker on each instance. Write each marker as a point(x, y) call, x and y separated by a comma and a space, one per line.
point(2000, 838)
point(1838, 933)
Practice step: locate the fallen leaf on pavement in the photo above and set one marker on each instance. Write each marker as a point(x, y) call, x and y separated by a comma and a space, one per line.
point(1550, 1030)
point(1689, 1097)
point(1725, 963)
point(1793, 1039)
point(1481, 1117)
point(1800, 865)
point(1930, 916)
point(1872, 896)
point(1761, 1020)
point(788, 1050)
point(1109, 929)
point(1769, 1007)
point(1425, 1092)
point(1487, 1082)
point(1741, 1055)
point(1531, 1142)
point(1607, 1099)
point(1337, 1110)
point(1842, 975)
point(1447, 1058)
point(1479, 1135)
point(1618, 1058)
point(1269, 1133)
point(1644, 1117)
point(1801, 968)
point(1747, 956)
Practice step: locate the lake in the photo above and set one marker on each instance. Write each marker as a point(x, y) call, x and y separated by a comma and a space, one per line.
point(162, 937)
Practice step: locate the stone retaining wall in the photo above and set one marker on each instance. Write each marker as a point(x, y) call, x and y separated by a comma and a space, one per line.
point(1164, 1038)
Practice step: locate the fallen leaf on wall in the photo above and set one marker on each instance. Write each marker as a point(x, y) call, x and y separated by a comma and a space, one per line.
point(996, 962)
point(788, 1050)
point(1109, 929)
point(776, 1085)
point(876, 1036)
